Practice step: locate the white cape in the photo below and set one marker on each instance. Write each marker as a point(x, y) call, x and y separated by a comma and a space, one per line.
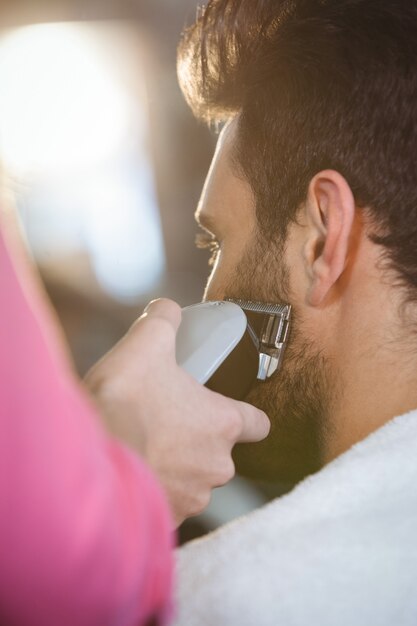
point(339, 550)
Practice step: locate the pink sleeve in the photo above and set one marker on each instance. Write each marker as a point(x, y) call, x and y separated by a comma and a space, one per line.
point(84, 528)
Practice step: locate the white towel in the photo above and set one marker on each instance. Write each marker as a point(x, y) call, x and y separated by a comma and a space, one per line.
point(339, 550)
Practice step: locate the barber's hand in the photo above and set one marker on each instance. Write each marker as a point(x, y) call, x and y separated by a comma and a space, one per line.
point(184, 431)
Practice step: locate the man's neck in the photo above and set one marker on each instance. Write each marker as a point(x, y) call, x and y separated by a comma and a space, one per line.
point(377, 362)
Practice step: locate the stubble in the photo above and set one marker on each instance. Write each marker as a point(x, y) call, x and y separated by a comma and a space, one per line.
point(299, 398)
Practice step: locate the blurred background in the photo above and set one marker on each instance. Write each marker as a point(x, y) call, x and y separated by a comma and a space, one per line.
point(105, 165)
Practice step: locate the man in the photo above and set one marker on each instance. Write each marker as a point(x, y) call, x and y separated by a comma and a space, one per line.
point(312, 198)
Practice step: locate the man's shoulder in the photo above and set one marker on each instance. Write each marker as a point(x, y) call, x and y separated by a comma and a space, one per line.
point(343, 542)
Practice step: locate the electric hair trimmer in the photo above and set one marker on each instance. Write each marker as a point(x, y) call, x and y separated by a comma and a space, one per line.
point(228, 345)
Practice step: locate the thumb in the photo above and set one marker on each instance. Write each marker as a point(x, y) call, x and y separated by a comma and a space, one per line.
point(255, 423)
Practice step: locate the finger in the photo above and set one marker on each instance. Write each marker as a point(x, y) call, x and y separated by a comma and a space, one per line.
point(256, 425)
point(165, 309)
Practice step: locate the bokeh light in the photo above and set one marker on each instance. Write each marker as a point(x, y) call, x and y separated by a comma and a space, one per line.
point(74, 134)
point(60, 106)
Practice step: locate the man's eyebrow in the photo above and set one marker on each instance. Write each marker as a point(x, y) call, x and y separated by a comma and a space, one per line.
point(206, 222)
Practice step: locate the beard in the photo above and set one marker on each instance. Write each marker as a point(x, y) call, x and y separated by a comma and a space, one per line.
point(298, 398)
point(296, 401)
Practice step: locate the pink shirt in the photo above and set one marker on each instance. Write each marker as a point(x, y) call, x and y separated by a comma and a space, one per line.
point(85, 532)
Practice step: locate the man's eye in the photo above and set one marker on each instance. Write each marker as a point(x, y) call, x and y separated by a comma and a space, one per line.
point(207, 241)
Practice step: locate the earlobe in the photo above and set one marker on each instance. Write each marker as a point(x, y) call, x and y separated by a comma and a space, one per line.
point(330, 212)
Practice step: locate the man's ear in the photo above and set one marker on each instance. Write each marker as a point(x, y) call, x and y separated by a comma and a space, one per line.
point(330, 212)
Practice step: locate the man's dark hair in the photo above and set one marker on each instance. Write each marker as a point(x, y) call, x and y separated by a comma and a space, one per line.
point(317, 84)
